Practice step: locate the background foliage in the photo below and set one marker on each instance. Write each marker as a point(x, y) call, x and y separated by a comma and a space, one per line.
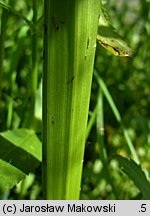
point(127, 80)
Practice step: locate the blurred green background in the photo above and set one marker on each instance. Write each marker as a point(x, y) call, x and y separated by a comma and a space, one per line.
point(126, 78)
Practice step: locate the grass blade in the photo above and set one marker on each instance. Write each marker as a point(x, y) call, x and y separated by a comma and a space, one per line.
point(116, 114)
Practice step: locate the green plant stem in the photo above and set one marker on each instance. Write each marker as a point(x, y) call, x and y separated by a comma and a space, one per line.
point(100, 129)
point(4, 18)
point(34, 72)
point(102, 147)
point(91, 122)
point(69, 46)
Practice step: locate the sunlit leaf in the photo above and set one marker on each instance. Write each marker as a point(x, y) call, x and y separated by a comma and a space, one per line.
point(109, 38)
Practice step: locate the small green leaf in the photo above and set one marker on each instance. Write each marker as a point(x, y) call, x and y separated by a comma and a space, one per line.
point(136, 174)
point(109, 38)
point(114, 45)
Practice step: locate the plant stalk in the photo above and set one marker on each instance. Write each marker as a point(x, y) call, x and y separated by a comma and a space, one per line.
point(69, 49)
point(34, 72)
point(4, 18)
